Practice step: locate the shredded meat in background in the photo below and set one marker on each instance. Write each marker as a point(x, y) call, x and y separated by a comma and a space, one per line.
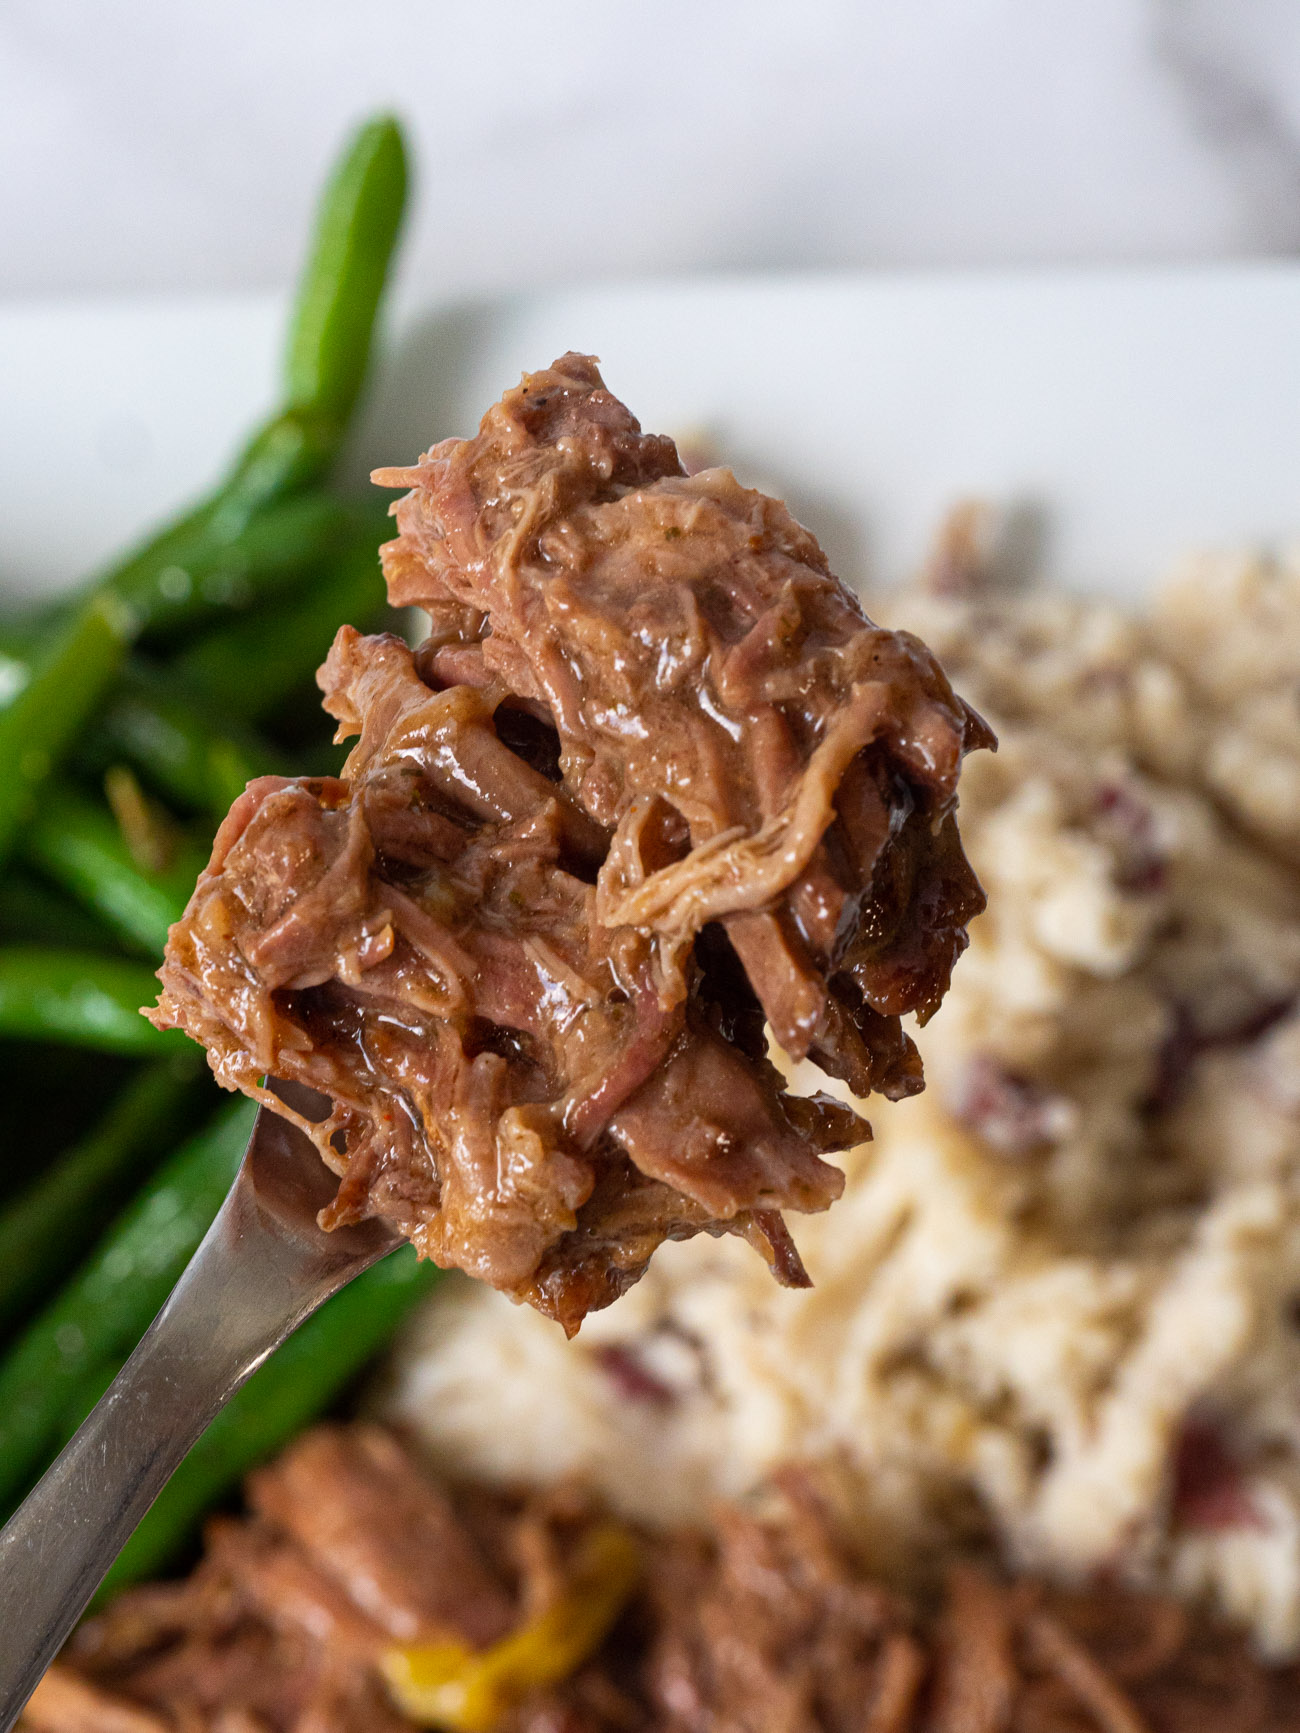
point(762, 1626)
point(652, 780)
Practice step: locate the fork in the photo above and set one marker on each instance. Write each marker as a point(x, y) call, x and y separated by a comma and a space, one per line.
point(262, 1269)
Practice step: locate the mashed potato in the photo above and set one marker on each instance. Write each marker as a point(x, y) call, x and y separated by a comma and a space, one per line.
point(1057, 1308)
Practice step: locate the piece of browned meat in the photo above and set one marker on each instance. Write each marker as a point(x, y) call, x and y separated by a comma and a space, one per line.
point(349, 1551)
point(760, 1626)
point(652, 780)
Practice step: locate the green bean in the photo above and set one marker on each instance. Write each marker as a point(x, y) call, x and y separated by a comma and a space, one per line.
point(101, 1313)
point(251, 665)
point(15, 667)
point(185, 726)
point(75, 669)
point(79, 844)
point(331, 332)
point(80, 999)
point(204, 575)
point(55, 1096)
point(21, 629)
point(270, 555)
point(326, 356)
point(254, 537)
point(68, 680)
point(194, 757)
point(302, 1380)
point(325, 363)
point(34, 913)
point(46, 1228)
point(338, 298)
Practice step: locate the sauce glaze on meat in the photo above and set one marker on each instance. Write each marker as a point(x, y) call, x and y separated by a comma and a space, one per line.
point(652, 780)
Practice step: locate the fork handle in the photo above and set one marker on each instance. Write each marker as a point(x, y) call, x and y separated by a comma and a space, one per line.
point(247, 1287)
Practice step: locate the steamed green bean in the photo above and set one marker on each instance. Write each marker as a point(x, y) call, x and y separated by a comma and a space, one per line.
point(79, 844)
point(274, 552)
point(80, 999)
point(101, 1313)
point(326, 359)
point(170, 662)
point(45, 1229)
point(182, 747)
point(34, 913)
point(251, 665)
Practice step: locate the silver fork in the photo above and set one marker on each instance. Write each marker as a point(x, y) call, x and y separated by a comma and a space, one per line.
point(263, 1268)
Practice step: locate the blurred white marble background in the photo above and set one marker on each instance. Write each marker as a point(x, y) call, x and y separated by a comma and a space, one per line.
point(147, 144)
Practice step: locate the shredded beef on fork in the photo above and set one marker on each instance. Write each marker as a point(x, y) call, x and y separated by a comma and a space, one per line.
point(652, 781)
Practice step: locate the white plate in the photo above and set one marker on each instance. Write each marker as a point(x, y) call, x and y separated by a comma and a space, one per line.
point(1144, 411)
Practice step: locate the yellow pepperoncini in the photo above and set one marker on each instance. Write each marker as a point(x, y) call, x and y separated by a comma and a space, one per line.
point(450, 1685)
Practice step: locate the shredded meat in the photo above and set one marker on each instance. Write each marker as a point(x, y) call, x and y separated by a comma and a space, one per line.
point(652, 780)
point(348, 1550)
point(761, 1626)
